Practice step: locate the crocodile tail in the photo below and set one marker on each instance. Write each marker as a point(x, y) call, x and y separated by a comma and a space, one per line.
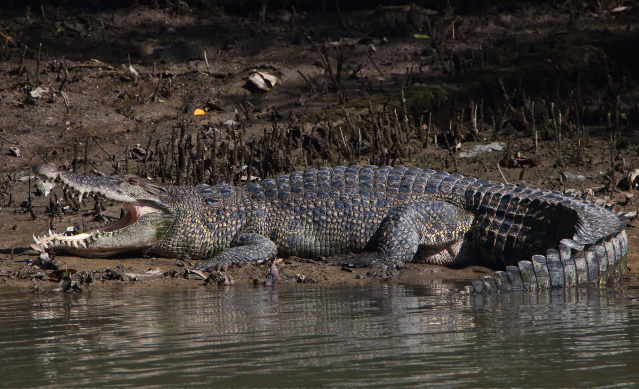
point(596, 223)
point(513, 223)
point(544, 239)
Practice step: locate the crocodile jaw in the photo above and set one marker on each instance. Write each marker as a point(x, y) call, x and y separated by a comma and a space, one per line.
point(144, 224)
point(136, 231)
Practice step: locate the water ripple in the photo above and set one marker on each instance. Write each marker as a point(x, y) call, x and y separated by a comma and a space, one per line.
point(387, 336)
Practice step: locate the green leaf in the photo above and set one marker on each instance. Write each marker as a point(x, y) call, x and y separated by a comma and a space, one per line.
point(161, 101)
point(59, 30)
point(421, 36)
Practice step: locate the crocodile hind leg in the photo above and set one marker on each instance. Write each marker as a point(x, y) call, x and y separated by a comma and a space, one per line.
point(437, 227)
point(248, 248)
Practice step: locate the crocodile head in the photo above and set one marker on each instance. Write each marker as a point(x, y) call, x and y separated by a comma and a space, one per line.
point(145, 223)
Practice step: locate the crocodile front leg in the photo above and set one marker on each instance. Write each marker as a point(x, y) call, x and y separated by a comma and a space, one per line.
point(248, 248)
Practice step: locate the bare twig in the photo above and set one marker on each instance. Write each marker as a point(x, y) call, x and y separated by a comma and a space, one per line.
point(373, 62)
point(532, 113)
point(86, 154)
point(324, 57)
point(157, 89)
point(64, 96)
point(9, 140)
point(21, 63)
point(100, 146)
point(502, 175)
point(91, 66)
point(341, 18)
point(37, 80)
point(307, 82)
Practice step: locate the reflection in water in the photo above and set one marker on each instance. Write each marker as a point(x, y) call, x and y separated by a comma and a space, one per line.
point(399, 336)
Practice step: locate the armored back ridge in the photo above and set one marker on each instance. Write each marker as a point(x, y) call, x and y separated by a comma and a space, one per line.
point(375, 216)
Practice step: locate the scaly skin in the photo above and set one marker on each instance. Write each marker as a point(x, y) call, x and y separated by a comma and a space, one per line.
point(368, 216)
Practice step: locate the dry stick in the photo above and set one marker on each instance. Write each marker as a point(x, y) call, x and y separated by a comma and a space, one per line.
point(21, 63)
point(8, 140)
point(43, 14)
point(37, 80)
point(100, 146)
point(448, 147)
point(74, 163)
point(559, 128)
point(86, 154)
point(373, 62)
point(93, 66)
point(481, 115)
point(473, 112)
point(103, 36)
point(430, 116)
point(157, 89)
point(434, 40)
point(323, 55)
point(307, 82)
point(502, 175)
point(33, 215)
point(206, 60)
point(341, 19)
point(532, 113)
point(405, 113)
point(245, 107)
point(554, 122)
point(64, 96)
point(64, 81)
point(613, 185)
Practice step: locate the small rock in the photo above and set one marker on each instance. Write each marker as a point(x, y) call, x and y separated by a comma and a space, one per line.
point(15, 152)
point(230, 123)
point(480, 149)
point(570, 176)
point(38, 92)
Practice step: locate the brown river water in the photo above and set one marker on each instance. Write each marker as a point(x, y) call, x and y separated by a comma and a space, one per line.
point(309, 336)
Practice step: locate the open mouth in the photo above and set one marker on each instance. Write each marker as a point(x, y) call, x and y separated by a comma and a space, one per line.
point(84, 239)
point(110, 238)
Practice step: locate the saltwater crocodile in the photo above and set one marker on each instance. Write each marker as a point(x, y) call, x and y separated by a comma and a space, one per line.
point(359, 215)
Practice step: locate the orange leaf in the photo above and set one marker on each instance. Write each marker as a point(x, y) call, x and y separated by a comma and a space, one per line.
point(199, 112)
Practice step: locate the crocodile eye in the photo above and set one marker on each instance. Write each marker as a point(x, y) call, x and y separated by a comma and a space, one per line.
point(133, 181)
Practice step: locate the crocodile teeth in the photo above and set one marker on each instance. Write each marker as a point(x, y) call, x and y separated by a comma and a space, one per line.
point(74, 243)
point(50, 233)
point(84, 245)
point(44, 245)
point(35, 239)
